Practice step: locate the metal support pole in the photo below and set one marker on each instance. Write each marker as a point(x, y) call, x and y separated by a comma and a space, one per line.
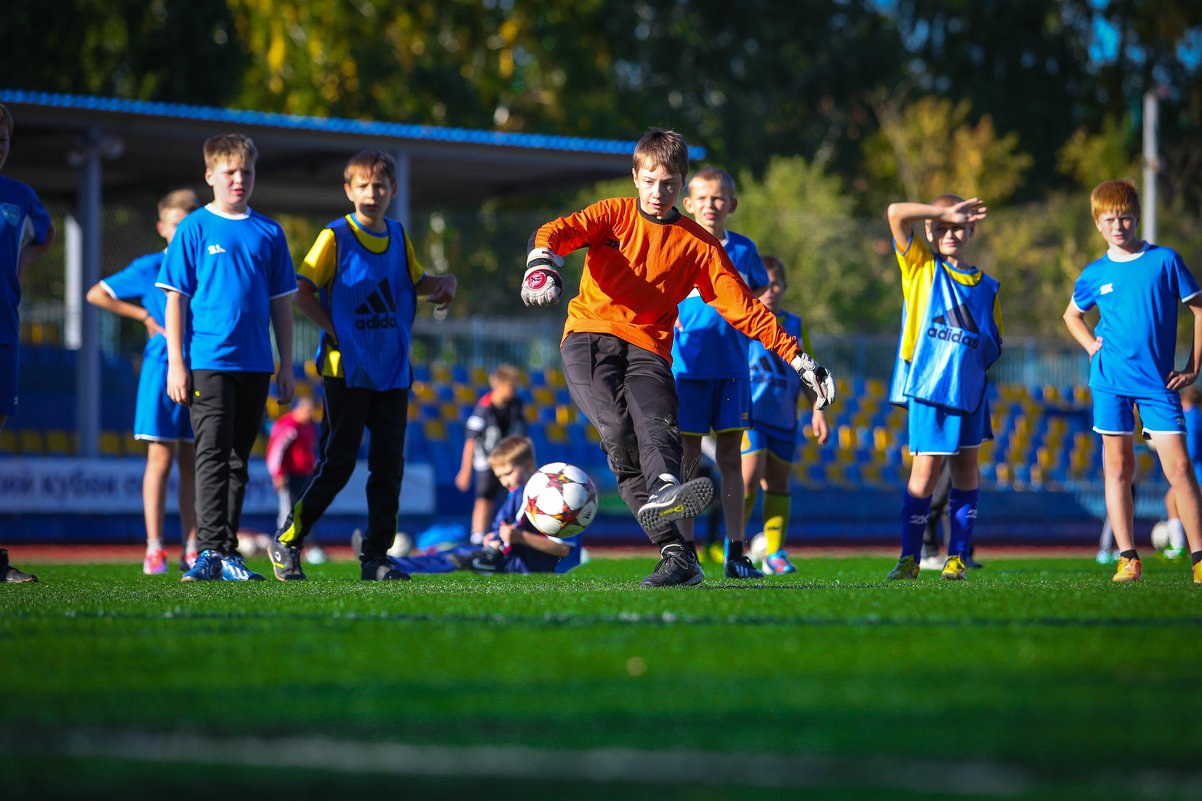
point(83, 271)
point(399, 208)
point(1151, 162)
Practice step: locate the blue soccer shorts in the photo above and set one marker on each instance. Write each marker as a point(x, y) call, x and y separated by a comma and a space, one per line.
point(783, 448)
point(157, 418)
point(935, 430)
point(713, 404)
point(1159, 412)
point(10, 364)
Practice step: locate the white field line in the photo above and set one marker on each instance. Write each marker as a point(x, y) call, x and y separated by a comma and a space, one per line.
point(597, 766)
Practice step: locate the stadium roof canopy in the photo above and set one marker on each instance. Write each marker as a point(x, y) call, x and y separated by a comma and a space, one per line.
point(147, 148)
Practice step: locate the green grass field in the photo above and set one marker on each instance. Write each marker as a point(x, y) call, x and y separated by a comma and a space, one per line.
point(1036, 678)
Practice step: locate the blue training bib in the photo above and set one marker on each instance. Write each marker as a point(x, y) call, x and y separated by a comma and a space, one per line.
point(958, 344)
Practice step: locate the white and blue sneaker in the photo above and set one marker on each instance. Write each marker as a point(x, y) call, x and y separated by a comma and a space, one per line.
point(234, 569)
point(208, 567)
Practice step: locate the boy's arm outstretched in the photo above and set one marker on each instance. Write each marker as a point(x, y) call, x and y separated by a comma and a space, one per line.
point(438, 289)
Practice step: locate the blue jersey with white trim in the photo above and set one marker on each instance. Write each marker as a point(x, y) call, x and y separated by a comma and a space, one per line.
point(705, 345)
point(230, 267)
point(959, 342)
point(1137, 300)
point(136, 283)
point(23, 219)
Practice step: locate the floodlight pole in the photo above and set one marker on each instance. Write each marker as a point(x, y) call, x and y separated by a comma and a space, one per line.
point(1151, 161)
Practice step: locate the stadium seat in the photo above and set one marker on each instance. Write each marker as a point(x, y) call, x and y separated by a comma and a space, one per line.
point(8, 442)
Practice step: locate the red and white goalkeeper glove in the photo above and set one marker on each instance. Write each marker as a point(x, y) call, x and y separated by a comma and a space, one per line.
point(541, 285)
point(816, 377)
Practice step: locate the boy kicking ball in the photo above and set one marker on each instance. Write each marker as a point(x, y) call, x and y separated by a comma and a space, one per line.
point(1136, 286)
point(643, 259)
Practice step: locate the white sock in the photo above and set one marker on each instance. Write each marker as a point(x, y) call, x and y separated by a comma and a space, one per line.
point(154, 545)
point(1176, 535)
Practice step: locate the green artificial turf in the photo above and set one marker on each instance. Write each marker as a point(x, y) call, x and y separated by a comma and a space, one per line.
point(1040, 671)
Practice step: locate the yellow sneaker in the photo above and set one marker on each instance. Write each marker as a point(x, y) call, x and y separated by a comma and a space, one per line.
point(906, 568)
point(1198, 573)
point(953, 568)
point(1129, 570)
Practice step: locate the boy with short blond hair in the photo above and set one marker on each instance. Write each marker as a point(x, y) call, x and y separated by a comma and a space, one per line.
point(229, 280)
point(26, 232)
point(1136, 286)
point(159, 421)
point(770, 443)
point(360, 283)
point(951, 334)
point(709, 363)
point(499, 413)
point(643, 259)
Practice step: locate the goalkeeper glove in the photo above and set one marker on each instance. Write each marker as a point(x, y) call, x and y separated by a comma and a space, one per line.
point(541, 285)
point(816, 377)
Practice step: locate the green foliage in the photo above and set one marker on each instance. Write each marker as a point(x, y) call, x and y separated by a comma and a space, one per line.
point(929, 147)
point(837, 280)
point(1090, 158)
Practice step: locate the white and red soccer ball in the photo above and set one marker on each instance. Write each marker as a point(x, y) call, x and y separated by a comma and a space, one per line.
point(560, 500)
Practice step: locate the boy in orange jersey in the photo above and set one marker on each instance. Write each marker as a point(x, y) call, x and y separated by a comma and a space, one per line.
point(643, 258)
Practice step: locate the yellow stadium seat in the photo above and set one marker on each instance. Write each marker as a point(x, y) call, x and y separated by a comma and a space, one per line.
point(131, 445)
point(543, 396)
point(565, 414)
point(423, 392)
point(555, 433)
point(110, 443)
point(435, 430)
point(440, 375)
point(60, 443)
point(8, 442)
point(592, 435)
point(479, 376)
point(465, 394)
point(311, 371)
point(30, 442)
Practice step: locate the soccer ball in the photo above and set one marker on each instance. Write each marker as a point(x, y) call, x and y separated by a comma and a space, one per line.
point(758, 550)
point(1160, 535)
point(560, 500)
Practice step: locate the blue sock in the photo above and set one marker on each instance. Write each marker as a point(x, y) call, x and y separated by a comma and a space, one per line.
point(962, 508)
point(915, 512)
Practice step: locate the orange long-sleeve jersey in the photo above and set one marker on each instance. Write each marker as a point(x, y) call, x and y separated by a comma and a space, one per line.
point(639, 268)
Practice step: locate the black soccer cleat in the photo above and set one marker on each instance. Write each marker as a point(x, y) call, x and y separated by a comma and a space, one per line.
point(381, 570)
point(286, 561)
point(673, 501)
point(10, 574)
point(677, 568)
point(487, 561)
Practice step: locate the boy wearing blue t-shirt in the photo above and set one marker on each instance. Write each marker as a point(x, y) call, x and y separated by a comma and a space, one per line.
point(360, 283)
point(25, 233)
point(159, 421)
point(1136, 286)
point(770, 444)
point(951, 334)
point(709, 363)
point(229, 281)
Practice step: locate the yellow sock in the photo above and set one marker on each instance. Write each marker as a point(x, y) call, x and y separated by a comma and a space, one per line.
point(776, 518)
point(748, 508)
